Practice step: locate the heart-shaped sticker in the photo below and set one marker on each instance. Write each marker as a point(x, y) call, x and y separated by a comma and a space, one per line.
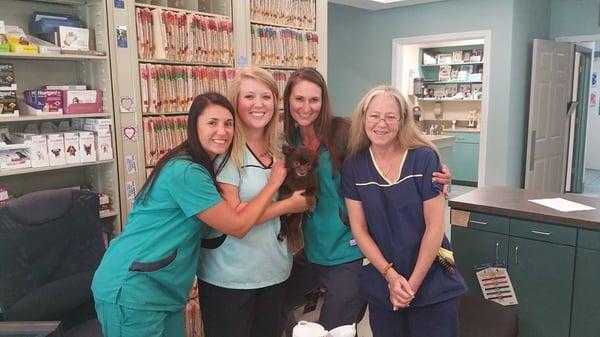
point(129, 132)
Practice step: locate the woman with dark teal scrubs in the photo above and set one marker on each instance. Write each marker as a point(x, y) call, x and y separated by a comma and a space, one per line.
point(141, 285)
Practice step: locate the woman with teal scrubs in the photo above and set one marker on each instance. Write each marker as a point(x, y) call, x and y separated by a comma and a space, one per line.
point(142, 283)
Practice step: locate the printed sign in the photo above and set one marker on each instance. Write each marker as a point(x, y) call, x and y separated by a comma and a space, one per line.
point(122, 36)
point(130, 188)
point(131, 164)
point(130, 133)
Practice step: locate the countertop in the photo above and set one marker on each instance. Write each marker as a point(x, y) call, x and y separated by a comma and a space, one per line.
point(513, 202)
point(437, 138)
point(457, 129)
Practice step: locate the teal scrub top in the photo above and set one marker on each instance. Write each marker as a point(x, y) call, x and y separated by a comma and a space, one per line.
point(151, 265)
point(258, 259)
point(327, 240)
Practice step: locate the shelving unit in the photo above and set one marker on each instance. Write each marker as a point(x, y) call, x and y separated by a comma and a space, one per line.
point(126, 72)
point(32, 71)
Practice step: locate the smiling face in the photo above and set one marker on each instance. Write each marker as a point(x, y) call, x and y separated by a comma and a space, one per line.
point(305, 102)
point(215, 130)
point(382, 121)
point(256, 104)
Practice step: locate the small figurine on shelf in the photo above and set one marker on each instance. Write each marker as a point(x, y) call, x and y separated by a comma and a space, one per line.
point(417, 113)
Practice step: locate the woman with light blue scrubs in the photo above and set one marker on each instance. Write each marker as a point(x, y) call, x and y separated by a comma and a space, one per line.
point(142, 283)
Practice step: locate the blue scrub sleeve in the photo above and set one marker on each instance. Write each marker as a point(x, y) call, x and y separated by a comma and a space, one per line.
point(431, 163)
point(192, 188)
point(347, 187)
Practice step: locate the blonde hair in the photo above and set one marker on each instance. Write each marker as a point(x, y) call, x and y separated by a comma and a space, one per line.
point(273, 139)
point(409, 136)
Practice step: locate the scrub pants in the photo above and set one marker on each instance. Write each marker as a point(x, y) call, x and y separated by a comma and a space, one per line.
point(241, 312)
point(119, 321)
point(435, 320)
point(343, 303)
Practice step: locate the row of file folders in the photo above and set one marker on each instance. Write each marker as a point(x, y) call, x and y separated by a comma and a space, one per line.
point(298, 13)
point(162, 134)
point(167, 88)
point(273, 46)
point(180, 36)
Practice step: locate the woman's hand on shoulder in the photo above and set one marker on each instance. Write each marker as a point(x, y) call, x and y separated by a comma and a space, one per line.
point(443, 178)
point(278, 174)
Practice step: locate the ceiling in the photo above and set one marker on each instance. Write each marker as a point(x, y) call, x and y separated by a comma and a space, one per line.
point(374, 5)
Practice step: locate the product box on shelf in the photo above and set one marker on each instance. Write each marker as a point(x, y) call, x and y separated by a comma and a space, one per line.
point(42, 102)
point(44, 47)
point(82, 101)
point(56, 149)
point(7, 75)
point(18, 41)
point(45, 22)
point(66, 87)
point(87, 146)
point(3, 40)
point(8, 104)
point(14, 160)
point(72, 151)
point(73, 38)
point(38, 147)
point(102, 139)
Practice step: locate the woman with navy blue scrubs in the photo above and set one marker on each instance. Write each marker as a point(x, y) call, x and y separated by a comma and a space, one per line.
point(142, 283)
point(397, 217)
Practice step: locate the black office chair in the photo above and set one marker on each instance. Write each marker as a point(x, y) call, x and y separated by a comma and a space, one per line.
point(478, 317)
point(50, 245)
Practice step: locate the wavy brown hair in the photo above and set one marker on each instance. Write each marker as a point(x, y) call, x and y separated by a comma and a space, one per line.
point(327, 127)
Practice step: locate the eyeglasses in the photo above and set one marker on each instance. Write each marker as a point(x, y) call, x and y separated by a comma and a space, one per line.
point(387, 119)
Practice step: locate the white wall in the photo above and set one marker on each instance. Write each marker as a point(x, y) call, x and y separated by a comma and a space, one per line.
point(592, 155)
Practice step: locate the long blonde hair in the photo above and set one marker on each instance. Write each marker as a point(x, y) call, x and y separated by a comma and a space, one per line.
point(273, 139)
point(409, 136)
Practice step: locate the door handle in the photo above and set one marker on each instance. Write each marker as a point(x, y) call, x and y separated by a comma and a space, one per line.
point(532, 150)
point(497, 248)
point(516, 254)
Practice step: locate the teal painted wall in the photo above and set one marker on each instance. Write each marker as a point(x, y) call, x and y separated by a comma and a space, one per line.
point(368, 54)
point(531, 20)
point(574, 17)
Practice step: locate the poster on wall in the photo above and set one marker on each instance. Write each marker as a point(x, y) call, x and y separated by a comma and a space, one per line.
point(595, 91)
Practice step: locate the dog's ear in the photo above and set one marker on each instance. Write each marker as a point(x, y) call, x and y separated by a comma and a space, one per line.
point(287, 150)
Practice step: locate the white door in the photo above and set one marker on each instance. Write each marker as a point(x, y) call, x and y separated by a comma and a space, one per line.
point(551, 81)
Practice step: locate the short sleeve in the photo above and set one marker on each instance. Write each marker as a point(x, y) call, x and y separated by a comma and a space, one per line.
point(348, 187)
point(191, 187)
point(229, 174)
point(431, 164)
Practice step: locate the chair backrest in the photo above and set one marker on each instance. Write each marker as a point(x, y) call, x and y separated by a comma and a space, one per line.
point(50, 245)
point(479, 317)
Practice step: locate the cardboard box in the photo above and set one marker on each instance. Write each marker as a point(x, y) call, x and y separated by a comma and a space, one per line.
point(8, 104)
point(87, 146)
point(7, 75)
point(46, 22)
point(103, 141)
point(82, 101)
point(73, 38)
point(38, 148)
point(72, 152)
point(56, 149)
point(44, 47)
point(42, 102)
point(14, 160)
point(18, 41)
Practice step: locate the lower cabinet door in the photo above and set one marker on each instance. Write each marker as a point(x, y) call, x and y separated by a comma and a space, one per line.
point(542, 275)
point(586, 296)
point(474, 247)
point(465, 161)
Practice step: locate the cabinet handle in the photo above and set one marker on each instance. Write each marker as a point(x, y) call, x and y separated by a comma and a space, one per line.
point(478, 222)
point(541, 233)
point(516, 254)
point(497, 248)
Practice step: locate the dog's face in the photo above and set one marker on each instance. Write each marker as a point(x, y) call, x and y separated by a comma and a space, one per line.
point(71, 150)
point(88, 149)
point(56, 152)
point(300, 161)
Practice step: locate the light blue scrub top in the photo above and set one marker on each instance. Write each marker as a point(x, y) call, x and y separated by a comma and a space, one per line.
point(151, 265)
point(257, 260)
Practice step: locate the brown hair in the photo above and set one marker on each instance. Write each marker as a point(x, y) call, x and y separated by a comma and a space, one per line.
point(324, 124)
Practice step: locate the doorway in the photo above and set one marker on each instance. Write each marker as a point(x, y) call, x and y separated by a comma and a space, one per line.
point(585, 167)
point(408, 54)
